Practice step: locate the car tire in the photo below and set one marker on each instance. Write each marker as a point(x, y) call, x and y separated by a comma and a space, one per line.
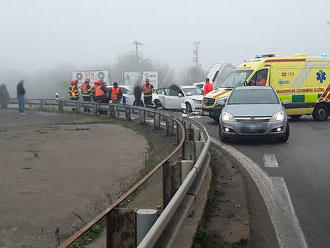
point(221, 136)
point(158, 104)
point(295, 117)
point(321, 112)
point(189, 108)
point(286, 135)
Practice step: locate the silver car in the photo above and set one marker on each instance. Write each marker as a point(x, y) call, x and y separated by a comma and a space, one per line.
point(254, 111)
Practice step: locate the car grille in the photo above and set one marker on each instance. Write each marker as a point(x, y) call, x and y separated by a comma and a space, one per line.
point(252, 118)
point(209, 101)
point(249, 130)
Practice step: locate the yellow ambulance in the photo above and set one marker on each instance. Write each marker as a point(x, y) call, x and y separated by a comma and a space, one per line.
point(302, 81)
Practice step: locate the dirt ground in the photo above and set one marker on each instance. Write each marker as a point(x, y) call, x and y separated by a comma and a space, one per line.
point(226, 221)
point(54, 167)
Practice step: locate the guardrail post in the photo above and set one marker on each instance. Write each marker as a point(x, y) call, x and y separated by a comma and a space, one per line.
point(60, 105)
point(156, 121)
point(128, 113)
point(120, 224)
point(142, 117)
point(178, 138)
point(167, 126)
point(112, 111)
point(145, 218)
point(42, 104)
point(94, 108)
point(199, 147)
point(77, 107)
point(171, 127)
point(171, 181)
point(186, 166)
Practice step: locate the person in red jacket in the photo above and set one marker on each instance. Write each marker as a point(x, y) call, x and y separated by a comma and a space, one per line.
point(208, 87)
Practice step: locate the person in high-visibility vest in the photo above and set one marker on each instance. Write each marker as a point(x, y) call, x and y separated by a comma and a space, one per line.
point(73, 90)
point(99, 92)
point(115, 93)
point(147, 93)
point(208, 87)
point(86, 90)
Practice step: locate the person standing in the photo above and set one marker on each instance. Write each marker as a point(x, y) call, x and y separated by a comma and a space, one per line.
point(73, 90)
point(4, 96)
point(208, 87)
point(86, 90)
point(99, 92)
point(147, 90)
point(137, 95)
point(115, 93)
point(20, 97)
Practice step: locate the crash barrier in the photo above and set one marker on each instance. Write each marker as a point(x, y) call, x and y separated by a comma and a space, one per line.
point(183, 172)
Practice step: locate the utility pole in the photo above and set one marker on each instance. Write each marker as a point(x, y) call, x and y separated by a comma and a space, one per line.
point(137, 44)
point(195, 53)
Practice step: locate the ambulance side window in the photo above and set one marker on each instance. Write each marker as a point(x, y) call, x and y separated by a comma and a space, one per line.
point(259, 78)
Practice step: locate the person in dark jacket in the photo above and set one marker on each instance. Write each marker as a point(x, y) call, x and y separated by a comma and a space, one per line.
point(4, 96)
point(20, 97)
point(137, 95)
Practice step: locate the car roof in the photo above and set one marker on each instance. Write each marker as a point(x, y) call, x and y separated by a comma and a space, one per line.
point(189, 86)
point(253, 87)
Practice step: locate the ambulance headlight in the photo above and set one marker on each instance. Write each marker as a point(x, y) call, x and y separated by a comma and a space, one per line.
point(222, 101)
point(279, 116)
point(227, 117)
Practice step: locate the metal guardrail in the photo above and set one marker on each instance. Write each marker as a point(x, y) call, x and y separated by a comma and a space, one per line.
point(192, 140)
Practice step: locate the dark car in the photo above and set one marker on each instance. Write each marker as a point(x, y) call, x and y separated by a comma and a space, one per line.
point(253, 111)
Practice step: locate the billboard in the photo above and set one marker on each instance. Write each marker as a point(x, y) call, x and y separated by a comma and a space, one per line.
point(153, 77)
point(132, 78)
point(92, 75)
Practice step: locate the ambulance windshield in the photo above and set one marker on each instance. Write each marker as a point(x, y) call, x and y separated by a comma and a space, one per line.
point(236, 79)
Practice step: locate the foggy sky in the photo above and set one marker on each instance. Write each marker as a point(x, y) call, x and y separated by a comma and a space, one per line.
point(39, 34)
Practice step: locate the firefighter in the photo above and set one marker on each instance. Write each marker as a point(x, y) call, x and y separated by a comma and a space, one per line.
point(115, 93)
point(99, 92)
point(86, 90)
point(73, 90)
point(147, 91)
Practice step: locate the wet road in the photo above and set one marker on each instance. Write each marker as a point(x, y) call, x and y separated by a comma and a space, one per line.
point(304, 165)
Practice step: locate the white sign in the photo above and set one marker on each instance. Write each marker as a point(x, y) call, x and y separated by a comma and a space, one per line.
point(92, 75)
point(153, 78)
point(132, 78)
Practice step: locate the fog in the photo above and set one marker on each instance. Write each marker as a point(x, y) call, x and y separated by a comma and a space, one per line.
point(38, 35)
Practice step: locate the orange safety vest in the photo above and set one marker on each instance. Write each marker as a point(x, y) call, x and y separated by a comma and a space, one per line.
point(84, 89)
point(98, 90)
point(147, 89)
point(114, 94)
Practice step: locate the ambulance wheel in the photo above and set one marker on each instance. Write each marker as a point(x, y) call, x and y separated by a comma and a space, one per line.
point(321, 112)
point(189, 108)
point(286, 135)
point(295, 117)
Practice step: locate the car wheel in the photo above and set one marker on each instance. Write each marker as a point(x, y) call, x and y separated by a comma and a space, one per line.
point(158, 104)
point(295, 117)
point(221, 136)
point(321, 112)
point(189, 108)
point(286, 135)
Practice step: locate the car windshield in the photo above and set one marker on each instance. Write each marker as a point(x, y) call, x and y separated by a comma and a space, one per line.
point(236, 79)
point(253, 96)
point(193, 91)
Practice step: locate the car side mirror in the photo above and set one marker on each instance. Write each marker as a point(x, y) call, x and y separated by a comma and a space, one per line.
point(180, 95)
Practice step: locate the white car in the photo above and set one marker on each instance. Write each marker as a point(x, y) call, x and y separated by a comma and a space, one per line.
point(171, 98)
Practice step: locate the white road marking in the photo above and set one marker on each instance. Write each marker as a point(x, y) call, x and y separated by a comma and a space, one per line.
point(277, 199)
point(270, 160)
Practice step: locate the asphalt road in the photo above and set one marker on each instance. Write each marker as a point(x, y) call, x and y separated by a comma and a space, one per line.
point(304, 165)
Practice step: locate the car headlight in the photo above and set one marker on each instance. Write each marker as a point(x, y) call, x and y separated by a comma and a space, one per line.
point(222, 101)
point(279, 116)
point(197, 101)
point(227, 117)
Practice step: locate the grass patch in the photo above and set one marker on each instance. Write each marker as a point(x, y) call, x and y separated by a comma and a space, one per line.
point(203, 239)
